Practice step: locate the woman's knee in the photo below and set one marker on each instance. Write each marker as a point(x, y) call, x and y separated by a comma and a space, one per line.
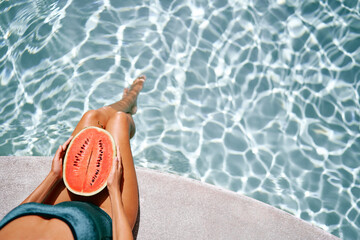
point(94, 117)
point(119, 117)
point(121, 123)
point(91, 115)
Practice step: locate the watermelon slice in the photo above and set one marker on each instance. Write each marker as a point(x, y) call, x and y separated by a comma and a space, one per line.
point(88, 161)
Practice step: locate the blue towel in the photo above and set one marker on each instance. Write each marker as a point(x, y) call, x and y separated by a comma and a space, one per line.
point(85, 220)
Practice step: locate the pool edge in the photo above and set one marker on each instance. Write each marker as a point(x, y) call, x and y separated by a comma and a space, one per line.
point(175, 207)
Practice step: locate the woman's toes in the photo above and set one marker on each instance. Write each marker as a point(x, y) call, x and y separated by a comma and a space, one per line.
point(142, 77)
point(138, 82)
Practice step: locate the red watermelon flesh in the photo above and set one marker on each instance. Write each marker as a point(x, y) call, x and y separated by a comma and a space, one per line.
point(88, 161)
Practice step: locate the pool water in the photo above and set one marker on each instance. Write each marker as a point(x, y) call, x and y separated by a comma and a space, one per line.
point(260, 97)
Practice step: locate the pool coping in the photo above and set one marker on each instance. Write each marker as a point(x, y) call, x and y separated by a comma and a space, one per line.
point(174, 207)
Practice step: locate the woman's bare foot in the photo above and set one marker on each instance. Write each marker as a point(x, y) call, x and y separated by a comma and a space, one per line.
point(128, 103)
point(134, 91)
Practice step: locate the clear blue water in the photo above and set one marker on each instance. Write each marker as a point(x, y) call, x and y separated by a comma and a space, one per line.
point(259, 97)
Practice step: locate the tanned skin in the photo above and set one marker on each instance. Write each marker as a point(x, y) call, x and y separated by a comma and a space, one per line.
point(119, 199)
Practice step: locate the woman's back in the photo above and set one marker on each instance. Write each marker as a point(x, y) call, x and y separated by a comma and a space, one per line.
point(36, 227)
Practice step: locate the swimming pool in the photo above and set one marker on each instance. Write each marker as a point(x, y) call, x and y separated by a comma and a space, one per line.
point(259, 97)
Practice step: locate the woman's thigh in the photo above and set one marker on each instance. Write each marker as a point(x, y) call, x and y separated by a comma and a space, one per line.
point(121, 127)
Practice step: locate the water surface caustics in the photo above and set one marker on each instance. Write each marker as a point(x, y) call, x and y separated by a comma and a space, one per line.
point(260, 97)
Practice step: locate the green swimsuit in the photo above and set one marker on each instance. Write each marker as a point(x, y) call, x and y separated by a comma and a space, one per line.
point(85, 220)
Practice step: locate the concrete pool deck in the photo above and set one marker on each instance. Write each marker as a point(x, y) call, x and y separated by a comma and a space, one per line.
point(173, 207)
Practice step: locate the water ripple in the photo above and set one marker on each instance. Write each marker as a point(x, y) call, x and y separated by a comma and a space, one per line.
point(259, 97)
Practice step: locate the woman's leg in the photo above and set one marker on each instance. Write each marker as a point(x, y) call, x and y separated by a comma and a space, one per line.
point(120, 125)
point(117, 120)
point(101, 116)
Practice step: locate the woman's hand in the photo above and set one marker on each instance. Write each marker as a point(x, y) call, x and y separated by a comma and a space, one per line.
point(56, 167)
point(48, 184)
point(115, 176)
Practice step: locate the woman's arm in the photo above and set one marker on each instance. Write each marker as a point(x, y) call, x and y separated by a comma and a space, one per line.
point(40, 193)
point(55, 175)
point(120, 224)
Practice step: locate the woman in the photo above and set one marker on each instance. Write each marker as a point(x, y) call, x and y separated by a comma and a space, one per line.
point(52, 212)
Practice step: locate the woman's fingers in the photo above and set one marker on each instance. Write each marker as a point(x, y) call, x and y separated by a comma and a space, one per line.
point(61, 150)
point(118, 152)
point(58, 152)
point(67, 142)
point(116, 172)
point(56, 166)
point(116, 162)
point(120, 160)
